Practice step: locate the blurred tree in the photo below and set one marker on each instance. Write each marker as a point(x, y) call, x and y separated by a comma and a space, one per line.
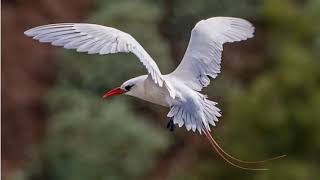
point(93, 139)
point(278, 112)
point(27, 74)
point(270, 104)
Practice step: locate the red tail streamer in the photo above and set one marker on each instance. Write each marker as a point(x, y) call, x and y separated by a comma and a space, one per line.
point(224, 155)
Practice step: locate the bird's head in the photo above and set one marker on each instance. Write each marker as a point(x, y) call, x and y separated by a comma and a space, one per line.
point(131, 87)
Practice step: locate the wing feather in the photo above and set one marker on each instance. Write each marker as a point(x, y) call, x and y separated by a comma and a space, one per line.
point(97, 39)
point(203, 55)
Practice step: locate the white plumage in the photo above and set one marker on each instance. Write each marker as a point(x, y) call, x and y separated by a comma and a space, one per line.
point(96, 39)
point(178, 90)
point(203, 55)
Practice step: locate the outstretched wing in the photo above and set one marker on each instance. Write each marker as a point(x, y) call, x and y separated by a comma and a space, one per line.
point(203, 55)
point(97, 39)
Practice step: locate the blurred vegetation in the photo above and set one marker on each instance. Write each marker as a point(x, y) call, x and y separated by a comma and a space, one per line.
point(276, 112)
point(94, 139)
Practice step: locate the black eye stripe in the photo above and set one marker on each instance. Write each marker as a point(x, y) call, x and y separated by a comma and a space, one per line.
point(128, 87)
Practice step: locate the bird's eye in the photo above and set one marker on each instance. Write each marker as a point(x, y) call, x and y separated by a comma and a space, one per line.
point(128, 87)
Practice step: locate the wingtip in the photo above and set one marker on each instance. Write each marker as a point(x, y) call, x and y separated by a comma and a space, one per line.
point(28, 33)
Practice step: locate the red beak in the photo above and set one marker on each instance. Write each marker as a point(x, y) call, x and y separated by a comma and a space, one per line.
point(113, 92)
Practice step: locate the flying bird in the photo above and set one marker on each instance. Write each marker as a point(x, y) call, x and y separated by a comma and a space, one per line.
point(179, 90)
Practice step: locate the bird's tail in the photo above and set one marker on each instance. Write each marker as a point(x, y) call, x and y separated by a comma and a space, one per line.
point(228, 158)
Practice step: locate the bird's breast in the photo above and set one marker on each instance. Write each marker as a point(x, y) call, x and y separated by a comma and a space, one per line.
point(157, 95)
point(151, 92)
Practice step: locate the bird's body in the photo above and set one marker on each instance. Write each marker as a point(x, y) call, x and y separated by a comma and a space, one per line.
point(179, 90)
point(148, 91)
point(188, 107)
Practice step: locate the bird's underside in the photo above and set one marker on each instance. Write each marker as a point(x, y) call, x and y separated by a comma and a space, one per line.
point(192, 109)
point(181, 114)
point(189, 107)
point(179, 90)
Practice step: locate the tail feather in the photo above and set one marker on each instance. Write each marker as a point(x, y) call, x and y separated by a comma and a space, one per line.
point(201, 119)
point(224, 155)
point(212, 142)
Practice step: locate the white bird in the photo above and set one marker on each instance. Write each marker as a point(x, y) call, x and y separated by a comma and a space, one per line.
point(179, 90)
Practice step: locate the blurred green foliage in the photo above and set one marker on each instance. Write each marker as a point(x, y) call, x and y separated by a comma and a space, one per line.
point(277, 112)
point(93, 139)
